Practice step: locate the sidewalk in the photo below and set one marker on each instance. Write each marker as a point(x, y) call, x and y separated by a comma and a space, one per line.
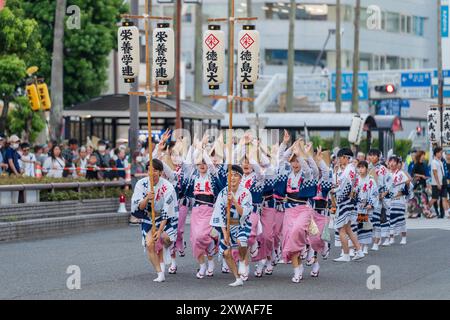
point(423, 223)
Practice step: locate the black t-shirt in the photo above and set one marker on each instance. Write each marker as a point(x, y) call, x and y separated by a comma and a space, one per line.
point(419, 168)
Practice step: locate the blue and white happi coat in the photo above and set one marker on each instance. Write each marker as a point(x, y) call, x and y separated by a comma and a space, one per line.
point(399, 190)
point(239, 231)
point(381, 173)
point(166, 207)
point(346, 211)
point(366, 195)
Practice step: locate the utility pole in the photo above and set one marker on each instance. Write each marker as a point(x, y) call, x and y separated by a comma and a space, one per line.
point(355, 91)
point(198, 81)
point(133, 131)
point(291, 58)
point(337, 136)
point(439, 67)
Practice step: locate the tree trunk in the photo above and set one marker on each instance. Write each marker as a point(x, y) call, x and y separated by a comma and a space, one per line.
point(4, 116)
point(337, 137)
point(291, 58)
point(198, 74)
point(57, 76)
point(355, 93)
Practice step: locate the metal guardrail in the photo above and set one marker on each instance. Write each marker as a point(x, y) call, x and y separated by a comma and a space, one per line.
point(63, 185)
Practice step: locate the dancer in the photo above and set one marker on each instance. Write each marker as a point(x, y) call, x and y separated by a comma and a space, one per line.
point(367, 200)
point(345, 215)
point(166, 216)
point(240, 200)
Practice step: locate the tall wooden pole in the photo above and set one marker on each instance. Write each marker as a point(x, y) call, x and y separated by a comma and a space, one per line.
point(230, 99)
point(198, 84)
point(148, 88)
point(178, 64)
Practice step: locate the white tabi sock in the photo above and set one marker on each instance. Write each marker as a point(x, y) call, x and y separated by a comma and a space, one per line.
point(173, 263)
point(298, 271)
point(242, 268)
point(163, 267)
point(202, 268)
point(210, 265)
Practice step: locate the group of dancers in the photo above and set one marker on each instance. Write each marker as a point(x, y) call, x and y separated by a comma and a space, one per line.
point(281, 200)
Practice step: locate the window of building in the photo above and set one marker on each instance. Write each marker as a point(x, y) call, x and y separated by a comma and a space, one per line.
point(280, 11)
point(392, 63)
point(279, 57)
point(392, 22)
point(418, 25)
point(406, 24)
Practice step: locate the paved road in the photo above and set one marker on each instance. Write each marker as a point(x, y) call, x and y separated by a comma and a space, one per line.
point(113, 266)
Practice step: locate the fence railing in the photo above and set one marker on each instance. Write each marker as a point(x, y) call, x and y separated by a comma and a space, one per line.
point(29, 193)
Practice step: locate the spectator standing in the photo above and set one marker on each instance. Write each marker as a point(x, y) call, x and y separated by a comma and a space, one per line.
point(82, 162)
point(419, 175)
point(438, 182)
point(121, 163)
point(138, 170)
point(70, 155)
point(39, 154)
point(12, 157)
point(92, 172)
point(3, 165)
point(102, 155)
point(27, 160)
point(54, 165)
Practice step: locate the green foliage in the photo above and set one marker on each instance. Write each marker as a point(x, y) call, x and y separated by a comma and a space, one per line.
point(18, 44)
point(86, 50)
point(19, 120)
point(10, 180)
point(85, 194)
point(401, 147)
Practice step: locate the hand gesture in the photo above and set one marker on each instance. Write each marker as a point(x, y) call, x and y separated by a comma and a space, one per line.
point(308, 147)
point(151, 195)
point(230, 197)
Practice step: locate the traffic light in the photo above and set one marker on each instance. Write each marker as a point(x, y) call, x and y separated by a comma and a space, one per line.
point(386, 88)
point(419, 131)
point(44, 96)
point(33, 97)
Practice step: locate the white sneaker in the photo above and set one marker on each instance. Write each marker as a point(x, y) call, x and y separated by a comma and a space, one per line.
point(391, 241)
point(375, 247)
point(403, 242)
point(238, 282)
point(343, 258)
point(386, 243)
point(366, 249)
point(160, 278)
point(358, 256)
point(352, 253)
